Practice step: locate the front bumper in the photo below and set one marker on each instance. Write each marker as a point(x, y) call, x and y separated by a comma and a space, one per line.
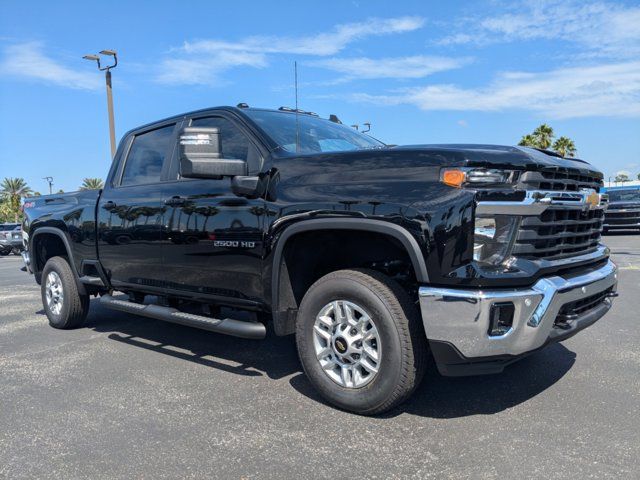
point(457, 321)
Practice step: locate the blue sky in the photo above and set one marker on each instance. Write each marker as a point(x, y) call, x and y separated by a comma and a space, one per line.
point(419, 71)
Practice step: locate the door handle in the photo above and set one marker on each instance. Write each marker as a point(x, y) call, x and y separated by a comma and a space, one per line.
point(109, 205)
point(175, 201)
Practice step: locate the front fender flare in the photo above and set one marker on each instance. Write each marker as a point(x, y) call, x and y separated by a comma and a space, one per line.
point(398, 232)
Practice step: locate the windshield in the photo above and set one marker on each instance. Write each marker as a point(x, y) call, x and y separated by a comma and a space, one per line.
point(315, 135)
point(624, 195)
point(5, 227)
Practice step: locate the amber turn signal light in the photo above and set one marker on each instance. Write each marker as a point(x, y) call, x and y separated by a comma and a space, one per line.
point(453, 177)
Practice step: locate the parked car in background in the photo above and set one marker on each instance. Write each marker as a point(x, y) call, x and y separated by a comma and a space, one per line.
point(623, 212)
point(10, 238)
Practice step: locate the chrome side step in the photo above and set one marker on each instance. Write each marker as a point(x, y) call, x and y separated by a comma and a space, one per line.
point(226, 326)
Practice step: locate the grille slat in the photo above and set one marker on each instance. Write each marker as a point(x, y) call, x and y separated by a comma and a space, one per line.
point(560, 179)
point(561, 230)
point(583, 305)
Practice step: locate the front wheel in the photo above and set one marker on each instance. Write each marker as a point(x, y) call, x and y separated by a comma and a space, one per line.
point(64, 305)
point(360, 341)
point(4, 253)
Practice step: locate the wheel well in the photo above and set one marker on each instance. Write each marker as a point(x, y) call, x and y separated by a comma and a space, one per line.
point(308, 256)
point(45, 246)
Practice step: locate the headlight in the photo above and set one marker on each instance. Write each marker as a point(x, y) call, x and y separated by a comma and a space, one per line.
point(478, 177)
point(493, 238)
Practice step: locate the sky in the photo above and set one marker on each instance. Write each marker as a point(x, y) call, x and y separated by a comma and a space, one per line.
point(418, 71)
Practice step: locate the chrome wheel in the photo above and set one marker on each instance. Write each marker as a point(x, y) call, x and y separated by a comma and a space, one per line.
point(54, 293)
point(347, 344)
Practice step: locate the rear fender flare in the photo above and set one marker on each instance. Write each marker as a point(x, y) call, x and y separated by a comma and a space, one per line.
point(65, 241)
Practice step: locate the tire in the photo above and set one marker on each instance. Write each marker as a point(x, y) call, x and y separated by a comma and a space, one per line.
point(400, 344)
point(72, 307)
point(4, 253)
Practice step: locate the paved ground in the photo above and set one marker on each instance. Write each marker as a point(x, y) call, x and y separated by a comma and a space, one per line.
point(129, 397)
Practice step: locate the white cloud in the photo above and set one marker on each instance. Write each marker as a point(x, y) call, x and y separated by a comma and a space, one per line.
point(418, 66)
point(600, 28)
point(322, 44)
point(28, 60)
point(604, 90)
point(207, 69)
point(203, 61)
point(462, 123)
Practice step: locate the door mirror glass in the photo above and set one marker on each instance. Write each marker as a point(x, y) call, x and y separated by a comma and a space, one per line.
point(201, 156)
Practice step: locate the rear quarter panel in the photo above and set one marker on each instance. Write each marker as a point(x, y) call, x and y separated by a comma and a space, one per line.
point(74, 214)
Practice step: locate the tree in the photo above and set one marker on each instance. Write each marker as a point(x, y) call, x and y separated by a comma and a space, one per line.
point(528, 141)
point(622, 177)
point(12, 190)
point(544, 135)
point(92, 184)
point(542, 138)
point(6, 214)
point(565, 147)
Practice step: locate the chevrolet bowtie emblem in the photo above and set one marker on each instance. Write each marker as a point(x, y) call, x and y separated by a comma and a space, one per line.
point(593, 200)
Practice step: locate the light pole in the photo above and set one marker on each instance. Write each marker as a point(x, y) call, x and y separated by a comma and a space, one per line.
point(50, 182)
point(107, 74)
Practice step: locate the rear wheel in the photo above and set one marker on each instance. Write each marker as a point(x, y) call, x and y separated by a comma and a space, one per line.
point(64, 305)
point(360, 341)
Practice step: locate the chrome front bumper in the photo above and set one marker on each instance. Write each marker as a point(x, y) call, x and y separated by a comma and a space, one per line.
point(460, 317)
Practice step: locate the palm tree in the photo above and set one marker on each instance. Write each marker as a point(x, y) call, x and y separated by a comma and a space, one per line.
point(544, 136)
point(621, 177)
point(565, 147)
point(528, 141)
point(13, 190)
point(92, 184)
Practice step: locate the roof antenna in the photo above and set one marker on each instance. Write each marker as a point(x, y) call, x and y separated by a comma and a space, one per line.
point(295, 74)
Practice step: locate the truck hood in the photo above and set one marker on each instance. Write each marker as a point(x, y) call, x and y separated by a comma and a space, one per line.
point(499, 156)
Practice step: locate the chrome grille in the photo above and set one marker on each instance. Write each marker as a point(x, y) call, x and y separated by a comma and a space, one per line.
point(560, 179)
point(559, 232)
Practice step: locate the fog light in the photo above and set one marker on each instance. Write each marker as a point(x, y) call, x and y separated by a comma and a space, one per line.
point(500, 318)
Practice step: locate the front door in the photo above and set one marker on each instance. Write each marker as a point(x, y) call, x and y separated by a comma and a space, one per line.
point(130, 211)
point(214, 241)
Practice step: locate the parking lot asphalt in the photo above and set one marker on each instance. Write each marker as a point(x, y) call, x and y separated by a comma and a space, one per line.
point(127, 397)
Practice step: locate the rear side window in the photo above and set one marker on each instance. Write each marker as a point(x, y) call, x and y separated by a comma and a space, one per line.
point(146, 156)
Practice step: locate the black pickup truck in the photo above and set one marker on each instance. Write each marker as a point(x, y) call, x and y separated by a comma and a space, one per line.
point(623, 210)
point(376, 257)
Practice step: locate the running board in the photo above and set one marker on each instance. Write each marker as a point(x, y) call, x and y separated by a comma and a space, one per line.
point(226, 326)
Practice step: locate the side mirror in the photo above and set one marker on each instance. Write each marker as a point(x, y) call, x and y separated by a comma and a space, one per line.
point(200, 155)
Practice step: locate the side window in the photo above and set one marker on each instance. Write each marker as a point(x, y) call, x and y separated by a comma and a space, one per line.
point(234, 143)
point(146, 156)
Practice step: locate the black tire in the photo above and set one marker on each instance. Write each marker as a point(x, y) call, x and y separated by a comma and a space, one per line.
point(4, 253)
point(74, 306)
point(403, 343)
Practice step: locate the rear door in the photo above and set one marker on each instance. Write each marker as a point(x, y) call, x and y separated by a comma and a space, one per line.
point(130, 209)
point(214, 241)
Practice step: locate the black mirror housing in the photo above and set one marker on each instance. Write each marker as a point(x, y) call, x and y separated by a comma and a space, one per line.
point(201, 156)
